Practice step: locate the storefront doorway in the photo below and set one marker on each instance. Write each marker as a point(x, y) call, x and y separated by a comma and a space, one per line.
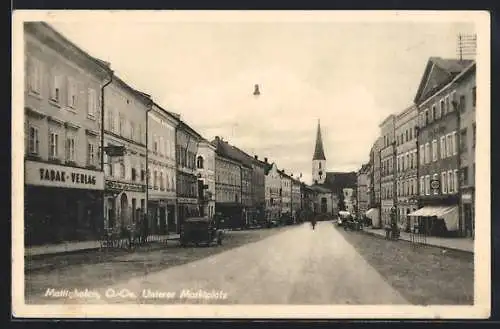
point(172, 228)
point(468, 220)
point(124, 210)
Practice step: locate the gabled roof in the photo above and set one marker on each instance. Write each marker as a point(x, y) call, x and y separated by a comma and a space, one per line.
point(319, 153)
point(226, 150)
point(336, 181)
point(438, 72)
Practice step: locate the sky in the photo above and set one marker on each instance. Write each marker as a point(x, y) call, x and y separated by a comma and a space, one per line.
point(349, 75)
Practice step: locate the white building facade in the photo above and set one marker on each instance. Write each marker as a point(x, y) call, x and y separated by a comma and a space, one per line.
point(161, 165)
point(125, 177)
point(205, 167)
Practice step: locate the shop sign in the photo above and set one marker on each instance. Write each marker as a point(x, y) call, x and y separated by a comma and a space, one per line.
point(466, 197)
point(52, 175)
point(122, 186)
point(187, 200)
point(435, 185)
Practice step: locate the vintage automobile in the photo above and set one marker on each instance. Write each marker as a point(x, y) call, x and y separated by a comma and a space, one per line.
point(200, 231)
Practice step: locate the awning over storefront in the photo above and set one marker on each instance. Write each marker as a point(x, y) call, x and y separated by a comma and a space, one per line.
point(448, 213)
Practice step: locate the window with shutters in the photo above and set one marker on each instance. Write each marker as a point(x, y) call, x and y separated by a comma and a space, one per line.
point(422, 154)
point(434, 112)
point(155, 179)
point(92, 103)
point(161, 181)
point(35, 76)
point(426, 117)
point(441, 108)
point(446, 108)
point(53, 145)
point(33, 141)
point(422, 185)
point(70, 149)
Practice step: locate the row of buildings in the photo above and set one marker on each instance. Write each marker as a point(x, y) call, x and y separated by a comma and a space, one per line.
point(422, 165)
point(100, 154)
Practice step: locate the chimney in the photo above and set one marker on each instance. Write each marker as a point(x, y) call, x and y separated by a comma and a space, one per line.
point(265, 160)
point(256, 157)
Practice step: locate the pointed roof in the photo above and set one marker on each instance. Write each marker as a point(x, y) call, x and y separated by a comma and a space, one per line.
point(319, 153)
point(438, 72)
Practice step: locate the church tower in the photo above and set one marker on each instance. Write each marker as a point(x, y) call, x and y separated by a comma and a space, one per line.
point(319, 160)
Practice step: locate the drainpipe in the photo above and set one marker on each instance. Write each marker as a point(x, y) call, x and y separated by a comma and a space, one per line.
point(102, 137)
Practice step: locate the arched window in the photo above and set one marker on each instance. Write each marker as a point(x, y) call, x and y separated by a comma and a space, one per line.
point(199, 162)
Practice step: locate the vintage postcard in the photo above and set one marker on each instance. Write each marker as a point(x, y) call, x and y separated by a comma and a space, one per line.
point(251, 164)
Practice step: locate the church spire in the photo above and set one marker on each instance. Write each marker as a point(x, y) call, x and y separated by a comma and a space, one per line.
point(319, 154)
